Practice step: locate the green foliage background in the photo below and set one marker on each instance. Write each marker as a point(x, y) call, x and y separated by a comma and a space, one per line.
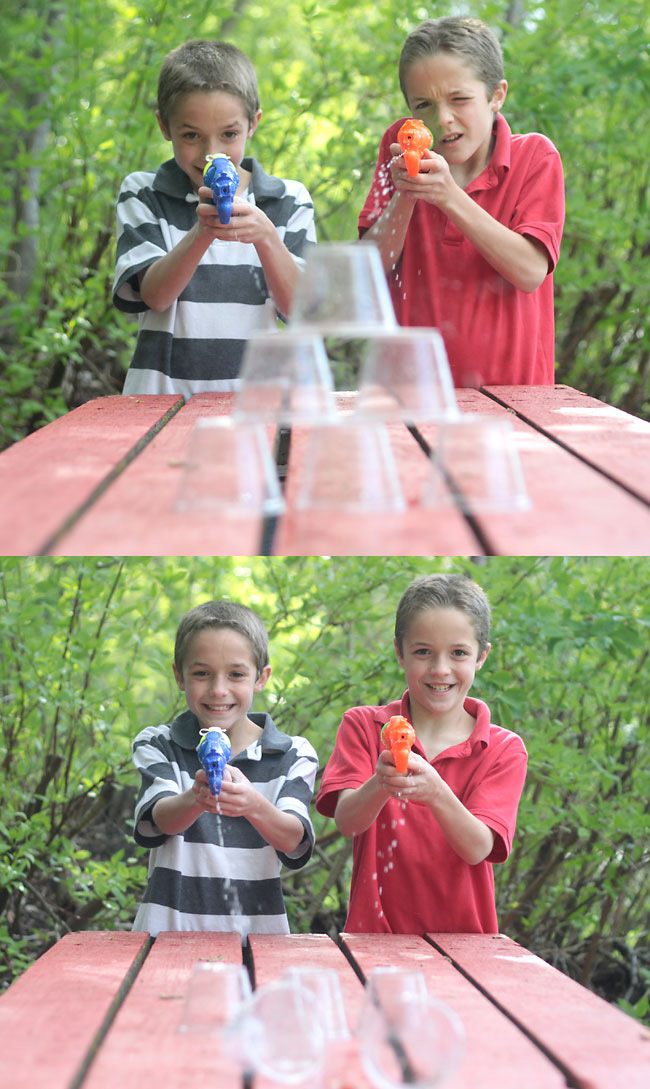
point(77, 88)
point(85, 662)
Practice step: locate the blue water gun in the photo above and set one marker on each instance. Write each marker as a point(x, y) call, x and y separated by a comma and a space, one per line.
point(220, 174)
point(214, 753)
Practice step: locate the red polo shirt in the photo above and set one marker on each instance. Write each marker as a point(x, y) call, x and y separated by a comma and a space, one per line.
point(406, 878)
point(494, 334)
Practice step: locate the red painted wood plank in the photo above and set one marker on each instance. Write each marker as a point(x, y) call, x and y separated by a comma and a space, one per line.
point(612, 440)
point(272, 954)
point(46, 477)
point(50, 1016)
point(414, 532)
point(137, 516)
point(575, 509)
point(497, 1054)
point(602, 1047)
point(143, 1045)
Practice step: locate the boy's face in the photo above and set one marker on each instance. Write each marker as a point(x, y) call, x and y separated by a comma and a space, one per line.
point(444, 93)
point(440, 656)
point(219, 678)
point(207, 123)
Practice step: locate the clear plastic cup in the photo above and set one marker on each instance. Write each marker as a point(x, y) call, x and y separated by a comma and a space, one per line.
point(343, 290)
point(416, 1041)
point(476, 467)
point(229, 471)
point(285, 378)
point(385, 985)
point(324, 984)
point(214, 994)
point(278, 1033)
point(405, 376)
point(349, 466)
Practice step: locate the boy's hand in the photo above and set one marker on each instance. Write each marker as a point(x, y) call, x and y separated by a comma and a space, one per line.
point(418, 785)
point(248, 223)
point(433, 184)
point(238, 798)
point(202, 793)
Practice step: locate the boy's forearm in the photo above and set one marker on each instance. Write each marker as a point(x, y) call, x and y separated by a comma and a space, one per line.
point(521, 261)
point(164, 280)
point(282, 831)
point(357, 809)
point(173, 815)
point(469, 836)
point(280, 271)
point(389, 231)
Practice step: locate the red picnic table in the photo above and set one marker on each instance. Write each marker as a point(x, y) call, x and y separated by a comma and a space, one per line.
point(104, 480)
point(103, 1008)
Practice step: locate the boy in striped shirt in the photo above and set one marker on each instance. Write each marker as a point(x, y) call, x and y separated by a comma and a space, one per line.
point(215, 862)
point(200, 288)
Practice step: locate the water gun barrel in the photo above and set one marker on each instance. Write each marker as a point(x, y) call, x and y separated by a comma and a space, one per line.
point(398, 735)
point(414, 137)
point(214, 751)
point(220, 174)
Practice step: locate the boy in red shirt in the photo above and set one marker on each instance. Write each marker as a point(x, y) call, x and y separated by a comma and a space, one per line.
point(425, 841)
point(470, 243)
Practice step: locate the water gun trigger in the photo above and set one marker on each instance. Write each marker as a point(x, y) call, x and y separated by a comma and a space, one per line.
point(414, 138)
point(399, 736)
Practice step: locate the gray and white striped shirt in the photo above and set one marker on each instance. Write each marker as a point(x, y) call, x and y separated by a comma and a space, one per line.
point(196, 345)
point(220, 874)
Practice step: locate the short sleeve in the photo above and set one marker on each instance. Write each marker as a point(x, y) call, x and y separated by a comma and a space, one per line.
point(494, 798)
point(295, 797)
point(140, 240)
point(352, 762)
point(382, 187)
point(159, 778)
point(540, 208)
point(300, 232)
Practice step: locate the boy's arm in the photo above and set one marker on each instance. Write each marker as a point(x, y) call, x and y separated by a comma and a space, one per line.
point(164, 280)
point(251, 225)
point(388, 232)
point(175, 813)
point(470, 837)
point(357, 808)
point(521, 260)
point(239, 798)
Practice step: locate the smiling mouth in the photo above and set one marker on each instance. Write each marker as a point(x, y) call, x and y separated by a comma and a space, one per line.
point(451, 139)
point(220, 707)
point(440, 687)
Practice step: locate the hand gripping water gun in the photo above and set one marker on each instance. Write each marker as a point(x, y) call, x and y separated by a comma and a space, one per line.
point(413, 138)
point(214, 752)
point(398, 735)
point(220, 173)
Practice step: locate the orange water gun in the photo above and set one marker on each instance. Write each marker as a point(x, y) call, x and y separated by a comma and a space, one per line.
point(398, 735)
point(413, 138)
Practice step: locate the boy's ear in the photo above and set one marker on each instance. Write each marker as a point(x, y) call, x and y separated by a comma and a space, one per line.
point(398, 653)
point(179, 677)
point(162, 126)
point(484, 655)
point(254, 123)
point(499, 96)
point(262, 679)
